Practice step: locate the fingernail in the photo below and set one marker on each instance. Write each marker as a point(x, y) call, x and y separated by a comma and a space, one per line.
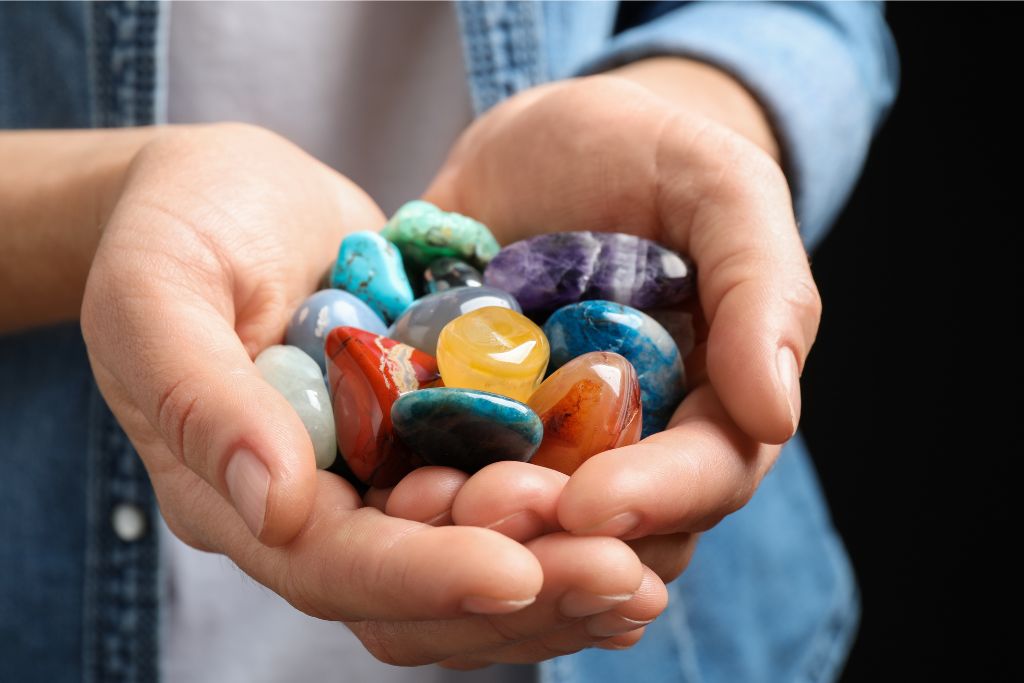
point(608, 625)
point(248, 481)
point(789, 376)
point(617, 526)
point(476, 604)
point(575, 604)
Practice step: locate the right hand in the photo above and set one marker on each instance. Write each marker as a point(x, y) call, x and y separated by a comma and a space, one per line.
point(216, 235)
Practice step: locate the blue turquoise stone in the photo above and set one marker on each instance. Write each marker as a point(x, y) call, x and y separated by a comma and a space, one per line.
point(598, 325)
point(320, 313)
point(371, 268)
point(465, 428)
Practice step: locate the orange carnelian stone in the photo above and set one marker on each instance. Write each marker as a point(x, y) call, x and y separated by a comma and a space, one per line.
point(591, 404)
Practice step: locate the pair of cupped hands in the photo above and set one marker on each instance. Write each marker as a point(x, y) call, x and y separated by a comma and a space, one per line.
point(218, 233)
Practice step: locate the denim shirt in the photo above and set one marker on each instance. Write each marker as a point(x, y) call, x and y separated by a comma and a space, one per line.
point(769, 595)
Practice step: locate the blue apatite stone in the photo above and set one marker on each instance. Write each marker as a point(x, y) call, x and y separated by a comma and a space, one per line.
point(371, 268)
point(320, 313)
point(465, 428)
point(598, 325)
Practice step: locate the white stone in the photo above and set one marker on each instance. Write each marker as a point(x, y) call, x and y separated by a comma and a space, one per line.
point(299, 379)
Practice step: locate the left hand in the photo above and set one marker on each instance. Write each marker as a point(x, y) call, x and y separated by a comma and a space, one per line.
point(604, 153)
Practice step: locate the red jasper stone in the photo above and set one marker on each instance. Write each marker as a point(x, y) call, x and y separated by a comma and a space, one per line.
point(589, 405)
point(367, 373)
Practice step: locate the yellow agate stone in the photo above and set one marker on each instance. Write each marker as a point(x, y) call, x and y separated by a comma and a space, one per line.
point(493, 349)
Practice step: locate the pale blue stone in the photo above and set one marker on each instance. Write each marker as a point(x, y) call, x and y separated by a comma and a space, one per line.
point(421, 324)
point(598, 325)
point(371, 268)
point(320, 313)
point(294, 374)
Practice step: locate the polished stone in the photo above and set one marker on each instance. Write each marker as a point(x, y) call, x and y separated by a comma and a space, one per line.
point(299, 379)
point(607, 326)
point(466, 429)
point(493, 349)
point(555, 269)
point(421, 324)
point(425, 233)
point(588, 406)
point(367, 373)
point(447, 273)
point(371, 268)
point(320, 313)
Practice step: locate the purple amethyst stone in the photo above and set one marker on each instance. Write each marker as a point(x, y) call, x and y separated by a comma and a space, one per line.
point(550, 271)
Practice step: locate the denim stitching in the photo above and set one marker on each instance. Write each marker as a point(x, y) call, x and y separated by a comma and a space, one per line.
point(121, 609)
point(124, 38)
point(501, 45)
point(833, 641)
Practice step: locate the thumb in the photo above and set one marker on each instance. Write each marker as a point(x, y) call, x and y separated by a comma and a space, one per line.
point(178, 363)
point(754, 282)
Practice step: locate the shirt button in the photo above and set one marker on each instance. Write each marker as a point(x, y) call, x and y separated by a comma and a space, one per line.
point(129, 522)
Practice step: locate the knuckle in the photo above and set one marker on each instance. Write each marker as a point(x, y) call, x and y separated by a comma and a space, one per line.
point(177, 418)
point(382, 641)
point(183, 533)
point(803, 295)
point(504, 632)
point(376, 643)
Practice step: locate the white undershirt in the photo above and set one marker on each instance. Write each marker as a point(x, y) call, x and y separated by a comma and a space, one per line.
point(376, 90)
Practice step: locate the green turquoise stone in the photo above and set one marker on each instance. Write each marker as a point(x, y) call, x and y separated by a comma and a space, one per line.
point(425, 233)
point(465, 428)
point(370, 267)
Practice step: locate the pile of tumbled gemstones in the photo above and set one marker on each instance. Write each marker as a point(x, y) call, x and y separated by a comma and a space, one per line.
point(458, 379)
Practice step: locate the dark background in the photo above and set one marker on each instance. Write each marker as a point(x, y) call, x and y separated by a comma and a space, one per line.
point(910, 380)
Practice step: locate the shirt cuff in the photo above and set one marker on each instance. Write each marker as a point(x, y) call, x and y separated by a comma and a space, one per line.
point(825, 73)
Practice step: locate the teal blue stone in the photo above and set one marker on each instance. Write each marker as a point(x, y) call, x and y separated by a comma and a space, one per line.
point(599, 325)
point(371, 268)
point(465, 428)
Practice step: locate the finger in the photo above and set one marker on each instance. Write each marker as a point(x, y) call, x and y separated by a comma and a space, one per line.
point(352, 563)
point(426, 495)
point(582, 576)
point(193, 380)
point(619, 628)
point(516, 499)
point(667, 555)
point(684, 479)
point(378, 498)
point(623, 642)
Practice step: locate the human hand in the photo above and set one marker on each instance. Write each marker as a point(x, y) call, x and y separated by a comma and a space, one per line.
point(215, 237)
point(605, 153)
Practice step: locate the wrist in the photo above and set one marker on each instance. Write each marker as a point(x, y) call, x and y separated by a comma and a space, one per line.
point(709, 91)
point(57, 188)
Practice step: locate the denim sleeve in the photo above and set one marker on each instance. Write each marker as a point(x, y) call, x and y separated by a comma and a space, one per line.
point(826, 73)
